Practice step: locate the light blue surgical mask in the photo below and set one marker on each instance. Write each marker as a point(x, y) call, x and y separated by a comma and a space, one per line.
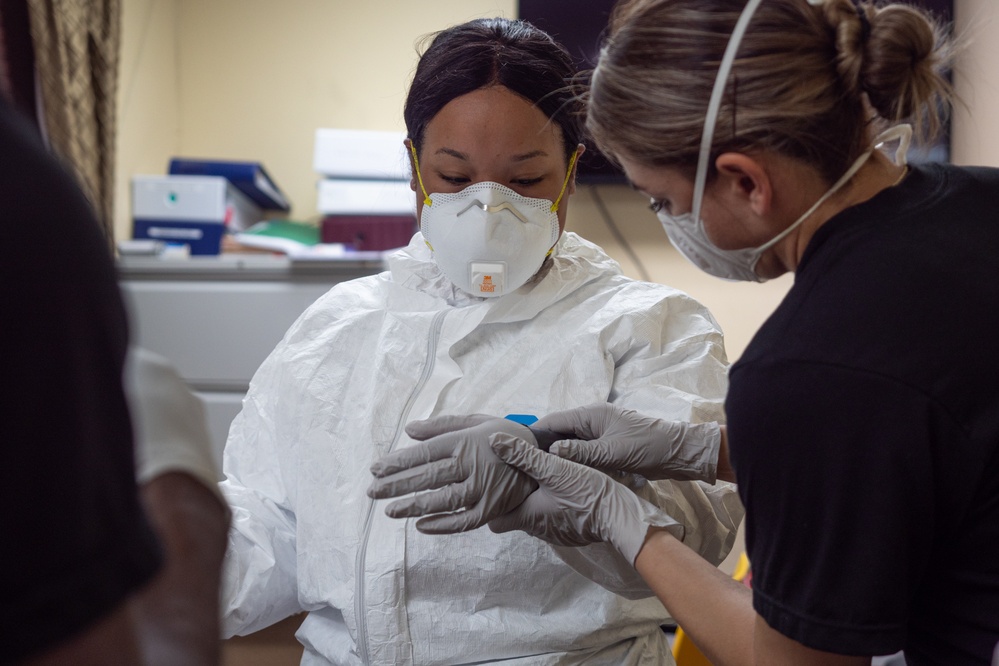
point(686, 232)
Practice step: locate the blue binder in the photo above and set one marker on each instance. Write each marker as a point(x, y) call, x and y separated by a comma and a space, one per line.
point(250, 178)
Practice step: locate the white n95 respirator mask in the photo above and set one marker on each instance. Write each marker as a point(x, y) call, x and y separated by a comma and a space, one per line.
point(487, 239)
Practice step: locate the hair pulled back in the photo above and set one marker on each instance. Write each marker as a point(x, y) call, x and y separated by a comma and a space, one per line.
point(809, 81)
point(495, 51)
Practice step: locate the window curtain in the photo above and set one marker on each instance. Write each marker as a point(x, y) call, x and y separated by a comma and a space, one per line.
point(76, 47)
point(17, 54)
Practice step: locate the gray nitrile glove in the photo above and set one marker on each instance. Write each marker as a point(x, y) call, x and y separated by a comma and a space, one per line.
point(575, 505)
point(171, 434)
point(458, 465)
point(615, 439)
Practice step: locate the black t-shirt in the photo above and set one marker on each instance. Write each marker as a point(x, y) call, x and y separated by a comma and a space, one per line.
point(75, 540)
point(864, 429)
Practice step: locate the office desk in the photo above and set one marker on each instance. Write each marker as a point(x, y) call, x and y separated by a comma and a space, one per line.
point(217, 318)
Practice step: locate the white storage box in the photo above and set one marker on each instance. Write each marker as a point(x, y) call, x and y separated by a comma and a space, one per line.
point(189, 210)
point(347, 153)
point(365, 197)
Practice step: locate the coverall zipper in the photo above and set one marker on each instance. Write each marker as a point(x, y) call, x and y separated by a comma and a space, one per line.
point(359, 602)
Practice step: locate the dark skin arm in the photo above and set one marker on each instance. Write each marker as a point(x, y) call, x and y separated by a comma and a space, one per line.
point(176, 616)
point(724, 471)
point(174, 619)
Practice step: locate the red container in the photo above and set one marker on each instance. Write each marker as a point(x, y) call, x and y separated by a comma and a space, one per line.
point(368, 232)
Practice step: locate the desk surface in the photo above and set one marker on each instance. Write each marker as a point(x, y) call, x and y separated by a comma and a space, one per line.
point(249, 267)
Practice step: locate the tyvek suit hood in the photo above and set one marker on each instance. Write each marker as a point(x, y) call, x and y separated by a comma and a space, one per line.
point(377, 352)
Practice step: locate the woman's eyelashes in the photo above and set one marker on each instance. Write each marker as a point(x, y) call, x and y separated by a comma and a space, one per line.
point(457, 180)
point(453, 180)
point(659, 206)
point(527, 182)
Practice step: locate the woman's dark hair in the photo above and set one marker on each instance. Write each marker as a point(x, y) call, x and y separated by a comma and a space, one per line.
point(495, 51)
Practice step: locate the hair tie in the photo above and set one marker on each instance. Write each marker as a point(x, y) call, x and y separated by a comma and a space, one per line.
point(865, 25)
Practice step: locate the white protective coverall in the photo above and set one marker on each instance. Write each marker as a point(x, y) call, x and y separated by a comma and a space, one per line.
point(377, 352)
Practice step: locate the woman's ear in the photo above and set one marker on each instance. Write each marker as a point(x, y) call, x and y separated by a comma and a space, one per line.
point(748, 180)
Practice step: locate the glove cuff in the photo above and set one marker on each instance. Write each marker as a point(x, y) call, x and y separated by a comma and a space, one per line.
point(630, 534)
point(695, 452)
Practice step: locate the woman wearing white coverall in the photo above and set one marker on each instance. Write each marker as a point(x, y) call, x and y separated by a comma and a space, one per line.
point(494, 130)
point(864, 415)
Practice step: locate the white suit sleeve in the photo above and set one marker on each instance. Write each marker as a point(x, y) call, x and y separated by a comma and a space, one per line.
point(672, 366)
point(169, 420)
point(259, 583)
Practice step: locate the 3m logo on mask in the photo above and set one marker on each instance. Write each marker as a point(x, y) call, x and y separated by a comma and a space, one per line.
point(487, 278)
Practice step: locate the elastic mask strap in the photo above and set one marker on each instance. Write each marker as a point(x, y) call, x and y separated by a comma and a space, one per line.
point(565, 183)
point(714, 105)
point(901, 132)
point(427, 201)
point(850, 173)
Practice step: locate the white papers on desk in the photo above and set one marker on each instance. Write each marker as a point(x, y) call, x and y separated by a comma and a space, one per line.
point(292, 248)
point(365, 197)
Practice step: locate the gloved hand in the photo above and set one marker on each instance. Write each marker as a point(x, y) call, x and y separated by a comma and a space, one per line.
point(616, 439)
point(575, 505)
point(457, 463)
point(171, 434)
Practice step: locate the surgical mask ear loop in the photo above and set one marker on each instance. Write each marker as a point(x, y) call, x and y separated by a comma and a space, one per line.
point(427, 201)
point(558, 200)
point(714, 104)
point(565, 183)
point(901, 132)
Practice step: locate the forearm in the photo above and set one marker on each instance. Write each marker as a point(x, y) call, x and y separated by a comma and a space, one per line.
point(725, 471)
point(176, 615)
point(714, 610)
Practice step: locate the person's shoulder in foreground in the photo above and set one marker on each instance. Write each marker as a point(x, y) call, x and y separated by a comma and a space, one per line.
point(82, 542)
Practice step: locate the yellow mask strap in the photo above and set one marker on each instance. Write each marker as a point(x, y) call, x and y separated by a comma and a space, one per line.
point(427, 201)
point(565, 183)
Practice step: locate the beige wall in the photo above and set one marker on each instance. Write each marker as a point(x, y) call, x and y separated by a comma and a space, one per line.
point(253, 79)
point(975, 136)
point(148, 98)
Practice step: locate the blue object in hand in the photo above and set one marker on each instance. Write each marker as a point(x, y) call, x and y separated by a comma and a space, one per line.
point(545, 438)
